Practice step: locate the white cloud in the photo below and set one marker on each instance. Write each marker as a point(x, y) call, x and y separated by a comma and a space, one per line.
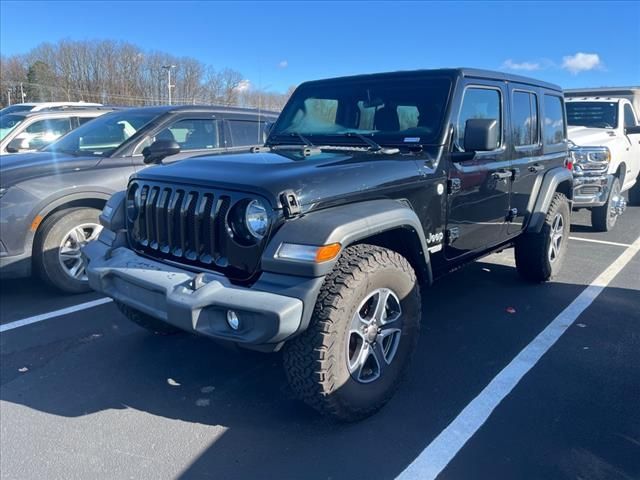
point(243, 86)
point(283, 64)
point(526, 66)
point(581, 62)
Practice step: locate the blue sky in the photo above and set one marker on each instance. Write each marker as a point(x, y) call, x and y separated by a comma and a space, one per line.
point(278, 44)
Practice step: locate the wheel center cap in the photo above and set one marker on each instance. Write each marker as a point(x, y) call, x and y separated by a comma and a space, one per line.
point(371, 333)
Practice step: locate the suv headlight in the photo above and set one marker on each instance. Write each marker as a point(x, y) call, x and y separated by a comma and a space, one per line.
point(591, 158)
point(256, 219)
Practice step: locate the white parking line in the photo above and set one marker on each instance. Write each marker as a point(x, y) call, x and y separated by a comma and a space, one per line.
point(603, 242)
point(437, 455)
point(57, 313)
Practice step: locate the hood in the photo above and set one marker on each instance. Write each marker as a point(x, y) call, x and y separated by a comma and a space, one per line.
point(18, 167)
point(316, 179)
point(590, 137)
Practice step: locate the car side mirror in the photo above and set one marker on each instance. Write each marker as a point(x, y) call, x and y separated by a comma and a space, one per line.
point(632, 130)
point(15, 145)
point(159, 150)
point(481, 134)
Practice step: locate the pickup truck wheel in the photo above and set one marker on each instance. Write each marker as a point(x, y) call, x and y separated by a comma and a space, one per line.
point(634, 193)
point(57, 248)
point(146, 321)
point(363, 333)
point(539, 256)
point(604, 218)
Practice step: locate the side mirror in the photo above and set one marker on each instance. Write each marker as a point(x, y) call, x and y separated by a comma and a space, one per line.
point(159, 150)
point(16, 146)
point(632, 130)
point(481, 135)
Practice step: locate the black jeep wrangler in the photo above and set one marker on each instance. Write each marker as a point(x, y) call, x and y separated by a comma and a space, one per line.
point(320, 241)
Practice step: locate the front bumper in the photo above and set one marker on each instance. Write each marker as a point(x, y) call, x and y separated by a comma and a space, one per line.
point(267, 315)
point(591, 191)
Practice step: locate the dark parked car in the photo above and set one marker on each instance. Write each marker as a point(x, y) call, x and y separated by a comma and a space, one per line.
point(50, 200)
point(368, 188)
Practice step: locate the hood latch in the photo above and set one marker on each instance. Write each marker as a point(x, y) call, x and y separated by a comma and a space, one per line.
point(290, 203)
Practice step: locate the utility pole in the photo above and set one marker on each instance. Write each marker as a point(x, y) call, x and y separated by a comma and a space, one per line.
point(169, 86)
point(8, 97)
point(22, 94)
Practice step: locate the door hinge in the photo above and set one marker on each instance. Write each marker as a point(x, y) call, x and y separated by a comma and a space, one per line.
point(452, 234)
point(290, 204)
point(454, 185)
point(512, 214)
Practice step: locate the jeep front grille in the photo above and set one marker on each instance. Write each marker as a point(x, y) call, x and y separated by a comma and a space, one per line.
point(188, 225)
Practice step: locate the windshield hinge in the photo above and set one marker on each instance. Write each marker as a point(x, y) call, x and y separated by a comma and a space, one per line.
point(290, 204)
point(454, 185)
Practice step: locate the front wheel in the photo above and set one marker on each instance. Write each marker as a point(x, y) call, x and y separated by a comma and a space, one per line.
point(604, 218)
point(363, 333)
point(539, 256)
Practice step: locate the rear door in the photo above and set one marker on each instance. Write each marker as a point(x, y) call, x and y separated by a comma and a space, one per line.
point(527, 163)
point(478, 207)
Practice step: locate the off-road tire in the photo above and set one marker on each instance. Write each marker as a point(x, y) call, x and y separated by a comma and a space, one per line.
point(147, 322)
point(601, 218)
point(47, 244)
point(634, 193)
point(316, 361)
point(532, 249)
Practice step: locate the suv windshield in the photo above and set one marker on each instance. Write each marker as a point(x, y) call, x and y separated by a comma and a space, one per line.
point(592, 114)
point(104, 134)
point(391, 111)
point(8, 123)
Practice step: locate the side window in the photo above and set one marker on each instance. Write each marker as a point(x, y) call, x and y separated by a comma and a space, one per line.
point(247, 132)
point(43, 132)
point(553, 120)
point(479, 103)
point(524, 118)
point(192, 134)
point(629, 117)
point(83, 120)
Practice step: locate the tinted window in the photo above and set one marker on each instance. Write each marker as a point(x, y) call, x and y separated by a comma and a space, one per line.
point(53, 126)
point(395, 111)
point(592, 114)
point(246, 132)
point(629, 117)
point(83, 120)
point(553, 120)
point(192, 134)
point(524, 119)
point(479, 103)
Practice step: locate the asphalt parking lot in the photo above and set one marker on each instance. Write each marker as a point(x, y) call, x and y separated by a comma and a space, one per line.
point(88, 395)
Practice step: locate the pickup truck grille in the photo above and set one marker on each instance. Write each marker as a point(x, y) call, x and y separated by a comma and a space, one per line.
point(188, 225)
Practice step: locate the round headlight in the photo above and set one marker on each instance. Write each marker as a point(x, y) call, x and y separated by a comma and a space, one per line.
point(256, 219)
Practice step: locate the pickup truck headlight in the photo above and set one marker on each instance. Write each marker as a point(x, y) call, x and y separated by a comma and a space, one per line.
point(591, 158)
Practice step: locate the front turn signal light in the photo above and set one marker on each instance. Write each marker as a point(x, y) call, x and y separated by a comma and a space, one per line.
point(309, 253)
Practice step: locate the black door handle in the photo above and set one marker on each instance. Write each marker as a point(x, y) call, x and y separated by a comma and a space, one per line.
point(536, 167)
point(502, 174)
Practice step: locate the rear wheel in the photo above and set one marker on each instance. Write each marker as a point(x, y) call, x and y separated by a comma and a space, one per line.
point(57, 248)
point(539, 256)
point(363, 333)
point(604, 218)
point(147, 321)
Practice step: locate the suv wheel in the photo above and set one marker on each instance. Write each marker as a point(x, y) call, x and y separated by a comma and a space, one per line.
point(57, 256)
point(146, 321)
point(539, 256)
point(363, 333)
point(604, 218)
point(634, 193)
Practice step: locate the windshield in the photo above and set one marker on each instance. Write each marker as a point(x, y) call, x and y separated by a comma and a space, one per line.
point(391, 111)
point(592, 114)
point(104, 134)
point(8, 123)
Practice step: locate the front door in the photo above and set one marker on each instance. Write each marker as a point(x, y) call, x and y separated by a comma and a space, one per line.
point(480, 183)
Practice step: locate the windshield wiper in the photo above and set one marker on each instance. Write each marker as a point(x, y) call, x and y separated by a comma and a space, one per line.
point(373, 146)
point(305, 140)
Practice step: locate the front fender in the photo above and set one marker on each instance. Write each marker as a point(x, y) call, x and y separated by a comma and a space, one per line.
point(346, 224)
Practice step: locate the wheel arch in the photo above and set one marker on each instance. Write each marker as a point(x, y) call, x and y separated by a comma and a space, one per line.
point(557, 180)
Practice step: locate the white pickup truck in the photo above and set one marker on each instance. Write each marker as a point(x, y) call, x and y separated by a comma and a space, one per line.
point(605, 136)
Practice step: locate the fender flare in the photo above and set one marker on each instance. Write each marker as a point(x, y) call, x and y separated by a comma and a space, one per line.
point(550, 183)
point(345, 224)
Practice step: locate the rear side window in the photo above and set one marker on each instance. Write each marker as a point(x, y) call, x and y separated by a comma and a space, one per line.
point(192, 134)
point(629, 117)
point(525, 118)
point(54, 126)
point(553, 120)
point(479, 103)
point(246, 132)
point(83, 120)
